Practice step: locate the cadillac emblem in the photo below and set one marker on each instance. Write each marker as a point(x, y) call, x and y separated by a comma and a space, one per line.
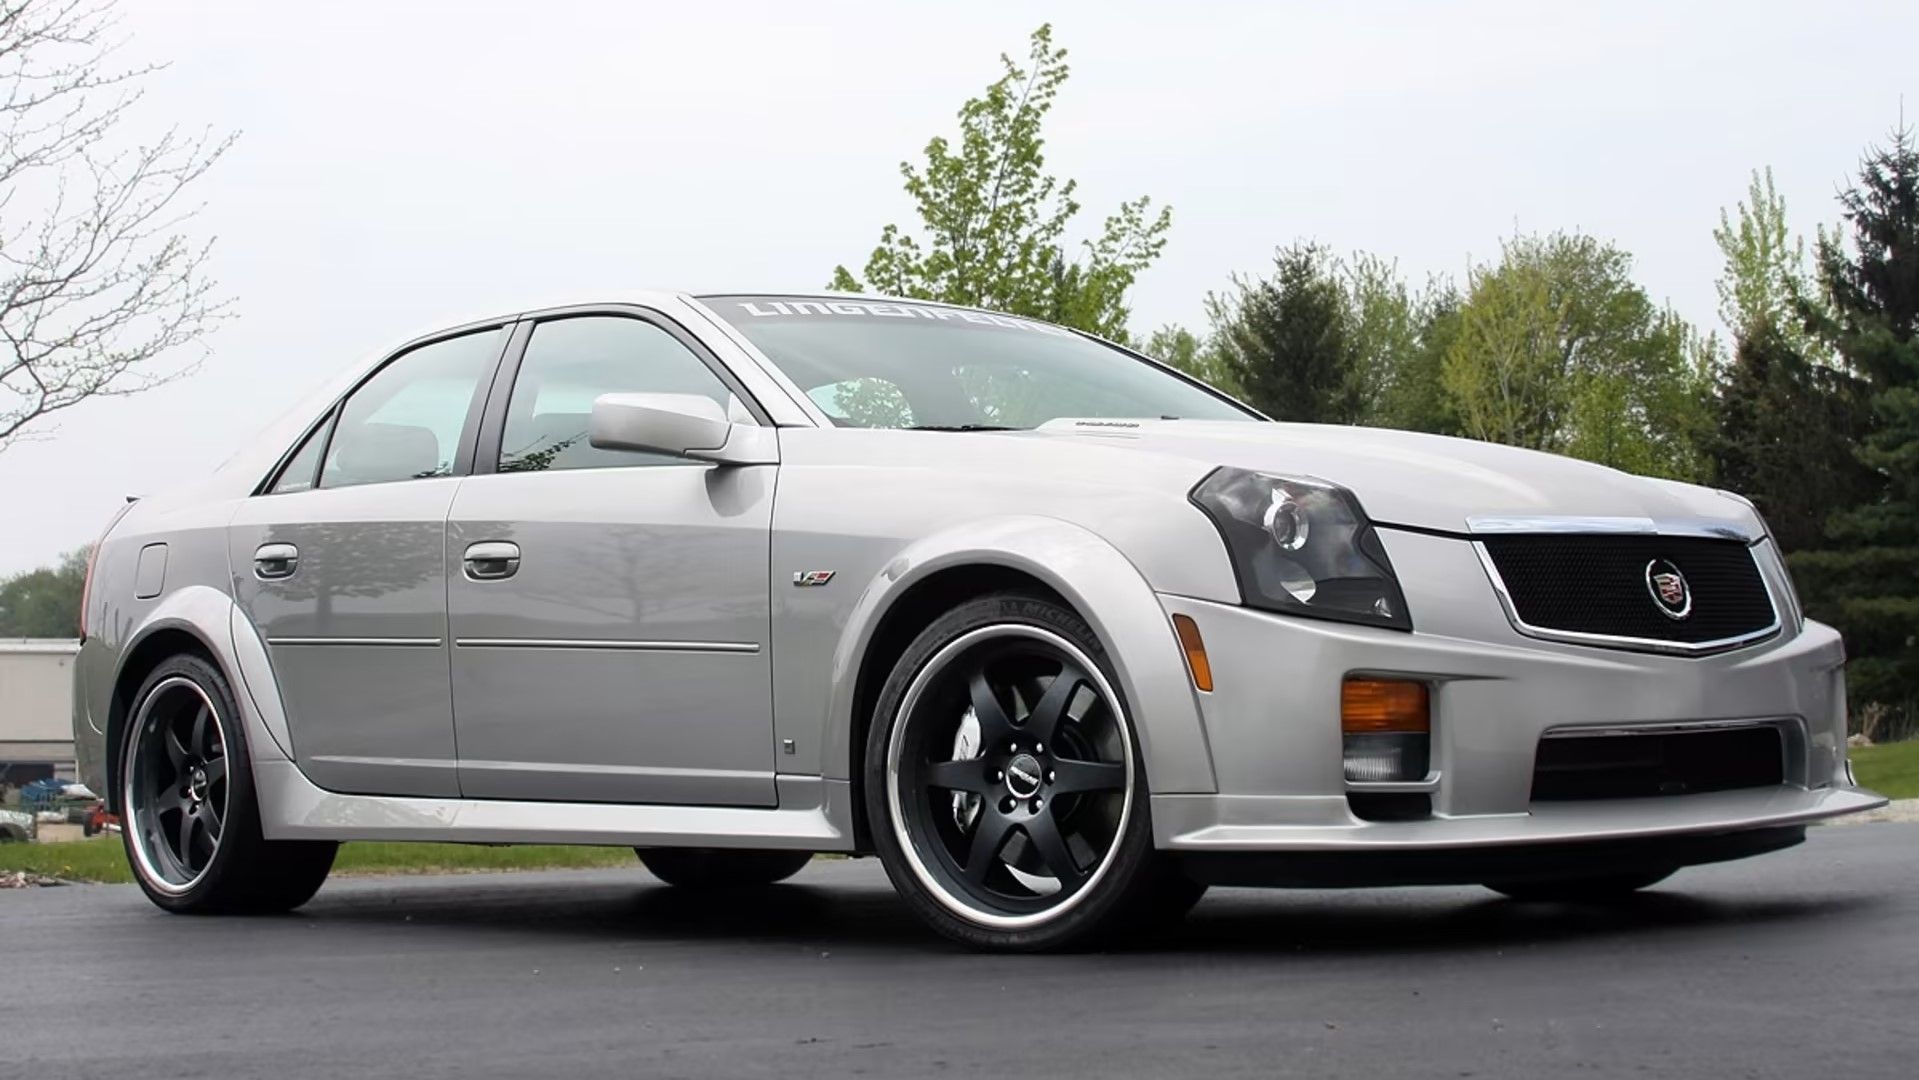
point(1669, 589)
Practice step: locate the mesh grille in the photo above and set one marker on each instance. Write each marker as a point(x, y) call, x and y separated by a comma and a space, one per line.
point(1596, 584)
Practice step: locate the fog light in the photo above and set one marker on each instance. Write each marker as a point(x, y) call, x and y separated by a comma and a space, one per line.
point(1398, 758)
point(1386, 724)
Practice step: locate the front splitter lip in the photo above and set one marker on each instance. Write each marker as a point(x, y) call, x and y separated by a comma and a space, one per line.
point(1230, 823)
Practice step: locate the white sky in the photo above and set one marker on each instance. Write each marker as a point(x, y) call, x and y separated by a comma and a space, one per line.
point(403, 164)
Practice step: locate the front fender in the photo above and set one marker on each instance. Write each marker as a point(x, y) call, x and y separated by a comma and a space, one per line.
point(1101, 584)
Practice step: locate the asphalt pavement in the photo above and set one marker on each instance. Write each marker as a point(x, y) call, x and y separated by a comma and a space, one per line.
point(1800, 964)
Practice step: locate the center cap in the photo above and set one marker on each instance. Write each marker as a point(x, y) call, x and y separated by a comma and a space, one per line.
point(1023, 776)
point(197, 785)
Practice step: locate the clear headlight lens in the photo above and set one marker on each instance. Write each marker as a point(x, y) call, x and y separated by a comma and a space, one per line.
point(1302, 547)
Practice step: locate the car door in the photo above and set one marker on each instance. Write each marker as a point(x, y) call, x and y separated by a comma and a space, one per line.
point(609, 610)
point(341, 564)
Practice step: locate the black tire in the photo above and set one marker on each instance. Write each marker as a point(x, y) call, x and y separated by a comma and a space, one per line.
point(929, 797)
point(717, 868)
point(204, 779)
point(1603, 889)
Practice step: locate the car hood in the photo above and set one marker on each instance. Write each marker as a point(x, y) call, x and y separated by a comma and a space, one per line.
point(1423, 481)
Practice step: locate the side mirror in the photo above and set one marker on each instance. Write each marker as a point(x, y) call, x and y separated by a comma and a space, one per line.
point(684, 425)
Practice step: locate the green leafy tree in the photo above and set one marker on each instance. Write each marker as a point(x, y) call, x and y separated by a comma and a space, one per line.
point(1181, 348)
point(1558, 349)
point(995, 221)
point(1287, 340)
point(44, 603)
point(1867, 580)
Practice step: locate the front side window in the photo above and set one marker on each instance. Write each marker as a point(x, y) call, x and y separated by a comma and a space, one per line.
point(406, 421)
point(304, 467)
point(568, 363)
point(897, 364)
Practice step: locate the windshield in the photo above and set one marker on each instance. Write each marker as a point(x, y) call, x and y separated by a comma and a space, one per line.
point(902, 365)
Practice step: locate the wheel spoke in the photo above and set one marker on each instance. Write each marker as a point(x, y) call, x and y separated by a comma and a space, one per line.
point(176, 750)
point(993, 722)
point(210, 821)
point(1045, 718)
point(1076, 776)
point(202, 844)
point(1043, 831)
point(200, 727)
point(169, 801)
point(216, 770)
point(965, 775)
point(989, 836)
point(183, 838)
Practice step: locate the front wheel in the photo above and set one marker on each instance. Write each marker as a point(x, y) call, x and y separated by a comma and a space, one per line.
point(707, 868)
point(1003, 784)
point(191, 823)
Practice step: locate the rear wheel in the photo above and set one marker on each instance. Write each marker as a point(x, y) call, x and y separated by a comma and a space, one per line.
point(1583, 890)
point(708, 868)
point(191, 823)
point(1003, 785)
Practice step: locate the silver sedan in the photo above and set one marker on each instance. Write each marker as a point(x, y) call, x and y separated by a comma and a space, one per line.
point(1059, 634)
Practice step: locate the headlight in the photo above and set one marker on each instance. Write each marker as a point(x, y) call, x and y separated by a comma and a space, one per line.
point(1302, 547)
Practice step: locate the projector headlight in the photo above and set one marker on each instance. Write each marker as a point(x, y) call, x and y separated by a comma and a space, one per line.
point(1302, 547)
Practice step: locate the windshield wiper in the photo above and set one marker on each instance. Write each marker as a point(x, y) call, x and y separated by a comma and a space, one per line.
point(962, 427)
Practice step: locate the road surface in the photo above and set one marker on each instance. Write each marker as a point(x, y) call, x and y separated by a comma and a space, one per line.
point(1800, 964)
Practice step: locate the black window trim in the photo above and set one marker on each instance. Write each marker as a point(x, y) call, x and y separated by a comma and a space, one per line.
point(469, 431)
point(499, 396)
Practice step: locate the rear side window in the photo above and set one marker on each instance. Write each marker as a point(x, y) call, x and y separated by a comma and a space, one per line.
point(568, 363)
point(304, 468)
point(405, 422)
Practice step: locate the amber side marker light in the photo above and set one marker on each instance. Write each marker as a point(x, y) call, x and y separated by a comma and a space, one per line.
point(1386, 724)
point(1195, 649)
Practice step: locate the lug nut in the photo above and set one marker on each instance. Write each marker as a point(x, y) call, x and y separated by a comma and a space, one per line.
point(1049, 776)
point(1037, 803)
point(1006, 805)
point(998, 776)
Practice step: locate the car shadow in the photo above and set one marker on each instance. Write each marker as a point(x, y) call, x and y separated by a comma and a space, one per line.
point(1240, 922)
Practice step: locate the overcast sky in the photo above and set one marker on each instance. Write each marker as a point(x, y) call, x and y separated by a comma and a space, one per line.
point(402, 164)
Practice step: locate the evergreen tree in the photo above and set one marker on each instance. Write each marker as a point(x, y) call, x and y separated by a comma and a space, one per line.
point(1867, 580)
point(1287, 340)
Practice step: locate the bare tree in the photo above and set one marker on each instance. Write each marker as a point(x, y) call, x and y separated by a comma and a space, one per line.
point(99, 288)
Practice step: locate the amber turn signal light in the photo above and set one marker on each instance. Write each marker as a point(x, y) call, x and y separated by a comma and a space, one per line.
point(1384, 705)
point(1195, 649)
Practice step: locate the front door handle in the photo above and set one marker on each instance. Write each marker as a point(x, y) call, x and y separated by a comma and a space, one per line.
point(492, 560)
point(275, 561)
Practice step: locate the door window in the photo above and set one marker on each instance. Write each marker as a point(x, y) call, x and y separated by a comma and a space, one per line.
point(304, 467)
point(405, 422)
point(568, 363)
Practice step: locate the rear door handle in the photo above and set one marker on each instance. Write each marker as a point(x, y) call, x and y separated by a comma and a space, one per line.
point(492, 560)
point(275, 561)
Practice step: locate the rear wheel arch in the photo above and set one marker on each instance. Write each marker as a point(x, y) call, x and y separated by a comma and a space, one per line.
point(148, 653)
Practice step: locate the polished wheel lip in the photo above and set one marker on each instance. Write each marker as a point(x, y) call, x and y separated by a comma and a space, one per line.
point(916, 689)
point(137, 830)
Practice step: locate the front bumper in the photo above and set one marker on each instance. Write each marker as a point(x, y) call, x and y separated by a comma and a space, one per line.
point(1272, 725)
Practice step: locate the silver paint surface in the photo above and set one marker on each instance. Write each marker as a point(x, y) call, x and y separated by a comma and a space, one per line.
point(638, 677)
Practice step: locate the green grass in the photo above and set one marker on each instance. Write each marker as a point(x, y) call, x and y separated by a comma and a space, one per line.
point(1891, 769)
point(103, 859)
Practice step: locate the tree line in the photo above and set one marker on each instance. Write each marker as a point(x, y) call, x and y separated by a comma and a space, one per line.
point(1810, 406)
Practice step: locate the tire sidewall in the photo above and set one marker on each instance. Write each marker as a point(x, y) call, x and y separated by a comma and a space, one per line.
point(240, 830)
point(1132, 852)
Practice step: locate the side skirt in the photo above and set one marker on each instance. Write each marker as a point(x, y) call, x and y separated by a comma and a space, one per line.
point(814, 815)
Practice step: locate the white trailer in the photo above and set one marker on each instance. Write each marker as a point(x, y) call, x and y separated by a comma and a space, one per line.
point(36, 709)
